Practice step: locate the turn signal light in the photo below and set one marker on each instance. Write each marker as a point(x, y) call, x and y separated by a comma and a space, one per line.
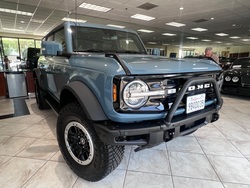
point(114, 93)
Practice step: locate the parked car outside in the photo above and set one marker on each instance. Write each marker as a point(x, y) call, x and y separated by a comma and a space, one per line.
point(237, 77)
point(109, 93)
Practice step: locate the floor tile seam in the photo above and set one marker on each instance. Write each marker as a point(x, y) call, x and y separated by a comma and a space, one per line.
point(33, 174)
point(129, 157)
point(239, 124)
point(147, 172)
point(197, 178)
point(23, 157)
point(210, 162)
point(25, 148)
point(170, 167)
point(237, 147)
point(187, 152)
point(229, 142)
point(226, 136)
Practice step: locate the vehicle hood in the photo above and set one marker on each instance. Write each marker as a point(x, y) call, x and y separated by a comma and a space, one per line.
point(149, 64)
point(239, 71)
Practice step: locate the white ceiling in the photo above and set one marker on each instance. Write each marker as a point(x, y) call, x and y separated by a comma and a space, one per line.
point(49, 13)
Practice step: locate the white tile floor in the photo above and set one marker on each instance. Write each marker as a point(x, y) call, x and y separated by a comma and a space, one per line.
point(215, 156)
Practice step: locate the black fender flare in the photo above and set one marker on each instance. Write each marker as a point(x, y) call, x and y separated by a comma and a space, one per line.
point(86, 99)
point(42, 82)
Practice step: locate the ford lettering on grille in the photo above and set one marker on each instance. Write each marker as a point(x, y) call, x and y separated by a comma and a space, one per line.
point(199, 86)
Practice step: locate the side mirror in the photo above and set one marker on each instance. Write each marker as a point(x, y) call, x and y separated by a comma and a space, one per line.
point(51, 48)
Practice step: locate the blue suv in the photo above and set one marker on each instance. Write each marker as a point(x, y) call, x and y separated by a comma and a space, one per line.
point(108, 93)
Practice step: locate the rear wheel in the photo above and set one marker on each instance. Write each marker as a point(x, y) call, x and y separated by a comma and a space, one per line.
point(82, 149)
point(40, 100)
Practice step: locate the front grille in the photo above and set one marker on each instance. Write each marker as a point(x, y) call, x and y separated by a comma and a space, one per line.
point(164, 103)
point(245, 80)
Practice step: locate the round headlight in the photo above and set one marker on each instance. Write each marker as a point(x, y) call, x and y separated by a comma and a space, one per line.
point(227, 78)
point(130, 91)
point(235, 79)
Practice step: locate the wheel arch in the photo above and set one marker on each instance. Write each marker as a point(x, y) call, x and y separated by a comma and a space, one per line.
point(78, 91)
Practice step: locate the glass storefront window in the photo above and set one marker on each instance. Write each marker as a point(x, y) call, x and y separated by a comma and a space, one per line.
point(24, 45)
point(10, 46)
point(38, 43)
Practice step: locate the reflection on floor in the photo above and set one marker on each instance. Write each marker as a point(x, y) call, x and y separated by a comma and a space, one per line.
point(216, 156)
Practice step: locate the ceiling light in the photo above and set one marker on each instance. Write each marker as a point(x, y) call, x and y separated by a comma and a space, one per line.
point(234, 37)
point(10, 29)
point(168, 34)
point(151, 42)
point(74, 20)
point(245, 40)
point(175, 24)
point(145, 31)
point(192, 38)
point(205, 40)
point(16, 12)
point(218, 42)
point(221, 34)
point(22, 21)
point(165, 44)
point(234, 25)
point(212, 18)
point(37, 21)
point(142, 17)
point(94, 7)
point(118, 26)
point(199, 29)
point(181, 8)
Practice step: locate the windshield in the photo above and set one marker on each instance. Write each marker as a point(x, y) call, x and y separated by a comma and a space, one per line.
point(87, 39)
point(241, 63)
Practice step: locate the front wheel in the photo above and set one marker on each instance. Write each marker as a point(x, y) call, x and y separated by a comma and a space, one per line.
point(82, 149)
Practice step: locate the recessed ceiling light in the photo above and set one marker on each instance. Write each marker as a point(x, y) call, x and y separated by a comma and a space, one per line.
point(245, 40)
point(37, 21)
point(94, 7)
point(199, 29)
point(118, 26)
point(212, 18)
point(143, 17)
point(234, 25)
point(181, 8)
point(218, 42)
point(145, 31)
point(165, 44)
point(16, 12)
point(168, 34)
point(175, 24)
point(22, 21)
point(234, 37)
point(151, 42)
point(192, 38)
point(205, 40)
point(74, 20)
point(221, 34)
point(10, 29)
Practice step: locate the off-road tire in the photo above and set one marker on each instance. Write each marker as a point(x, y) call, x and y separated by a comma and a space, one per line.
point(82, 149)
point(40, 100)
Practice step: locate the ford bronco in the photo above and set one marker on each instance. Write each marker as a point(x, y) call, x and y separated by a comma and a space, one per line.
point(108, 93)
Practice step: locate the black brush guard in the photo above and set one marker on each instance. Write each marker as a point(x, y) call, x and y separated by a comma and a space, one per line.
point(150, 133)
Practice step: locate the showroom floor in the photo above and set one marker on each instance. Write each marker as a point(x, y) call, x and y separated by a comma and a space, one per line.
point(216, 156)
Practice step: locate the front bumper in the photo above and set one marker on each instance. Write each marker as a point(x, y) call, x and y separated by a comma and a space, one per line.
point(150, 133)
